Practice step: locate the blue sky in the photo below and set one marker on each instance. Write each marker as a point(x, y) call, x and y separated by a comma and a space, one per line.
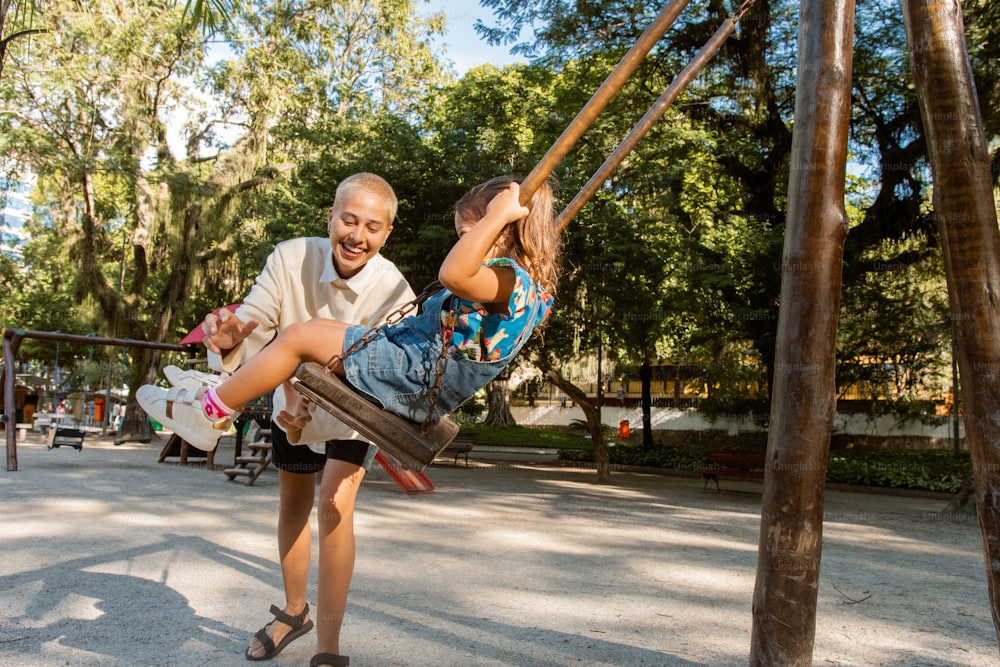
point(464, 47)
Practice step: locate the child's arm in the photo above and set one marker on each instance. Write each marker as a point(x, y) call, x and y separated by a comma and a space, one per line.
point(463, 273)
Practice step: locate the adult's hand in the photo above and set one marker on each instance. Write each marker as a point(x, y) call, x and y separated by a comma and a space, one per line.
point(297, 413)
point(225, 331)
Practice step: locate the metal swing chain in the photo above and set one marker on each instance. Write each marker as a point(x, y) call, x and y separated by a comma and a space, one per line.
point(373, 333)
point(434, 391)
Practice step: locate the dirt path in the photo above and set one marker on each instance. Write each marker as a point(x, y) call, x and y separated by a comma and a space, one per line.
point(110, 558)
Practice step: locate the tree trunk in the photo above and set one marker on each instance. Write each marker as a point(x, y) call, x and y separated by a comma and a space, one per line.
point(498, 403)
point(804, 396)
point(602, 459)
point(967, 220)
point(135, 425)
point(646, 376)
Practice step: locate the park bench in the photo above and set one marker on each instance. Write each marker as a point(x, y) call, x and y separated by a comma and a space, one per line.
point(460, 446)
point(732, 464)
point(60, 436)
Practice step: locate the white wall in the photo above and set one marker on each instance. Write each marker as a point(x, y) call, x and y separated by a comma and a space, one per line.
point(691, 420)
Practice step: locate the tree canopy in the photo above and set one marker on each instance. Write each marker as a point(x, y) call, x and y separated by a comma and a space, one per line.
point(676, 260)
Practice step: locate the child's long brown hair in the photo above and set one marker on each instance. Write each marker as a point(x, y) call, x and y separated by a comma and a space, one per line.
point(532, 241)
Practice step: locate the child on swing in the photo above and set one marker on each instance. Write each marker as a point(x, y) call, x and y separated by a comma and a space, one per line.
point(498, 283)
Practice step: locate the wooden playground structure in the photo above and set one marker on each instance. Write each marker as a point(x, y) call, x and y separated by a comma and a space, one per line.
point(792, 510)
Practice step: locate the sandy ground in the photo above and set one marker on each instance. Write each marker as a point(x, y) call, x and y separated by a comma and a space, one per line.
point(110, 558)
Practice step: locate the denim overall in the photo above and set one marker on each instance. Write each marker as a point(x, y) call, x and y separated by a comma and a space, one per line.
point(399, 367)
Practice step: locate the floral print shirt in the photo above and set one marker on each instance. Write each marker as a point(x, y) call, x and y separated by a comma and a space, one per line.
point(482, 336)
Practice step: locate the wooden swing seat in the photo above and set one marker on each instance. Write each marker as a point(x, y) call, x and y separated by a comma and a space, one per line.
point(403, 439)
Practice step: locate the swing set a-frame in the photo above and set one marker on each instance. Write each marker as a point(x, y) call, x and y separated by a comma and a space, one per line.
point(418, 446)
point(790, 542)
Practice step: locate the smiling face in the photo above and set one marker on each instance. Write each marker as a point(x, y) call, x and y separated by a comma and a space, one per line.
point(358, 227)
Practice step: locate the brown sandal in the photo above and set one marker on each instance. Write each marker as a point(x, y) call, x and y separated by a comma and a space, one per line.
point(329, 659)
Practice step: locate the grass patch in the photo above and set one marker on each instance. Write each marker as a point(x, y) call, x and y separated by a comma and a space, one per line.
point(928, 470)
point(526, 436)
point(931, 470)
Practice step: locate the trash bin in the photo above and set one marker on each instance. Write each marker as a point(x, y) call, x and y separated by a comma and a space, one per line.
point(623, 429)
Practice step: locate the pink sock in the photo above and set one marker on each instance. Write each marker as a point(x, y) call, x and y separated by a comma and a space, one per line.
point(213, 405)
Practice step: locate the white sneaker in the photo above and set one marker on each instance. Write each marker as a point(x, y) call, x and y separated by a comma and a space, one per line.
point(191, 379)
point(180, 410)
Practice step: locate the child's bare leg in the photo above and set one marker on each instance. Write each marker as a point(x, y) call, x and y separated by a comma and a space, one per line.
point(315, 340)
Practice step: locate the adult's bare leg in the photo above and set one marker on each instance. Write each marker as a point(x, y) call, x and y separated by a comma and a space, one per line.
point(296, 493)
point(338, 493)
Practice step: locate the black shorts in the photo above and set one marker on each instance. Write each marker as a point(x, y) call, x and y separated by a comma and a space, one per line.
point(301, 459)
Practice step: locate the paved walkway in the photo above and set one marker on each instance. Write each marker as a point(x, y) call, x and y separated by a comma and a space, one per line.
point(110, 558)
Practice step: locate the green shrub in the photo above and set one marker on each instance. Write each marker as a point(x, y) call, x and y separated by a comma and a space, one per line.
point(930, 470)
point(668, 457)
point(522, 436)
point(925, 469)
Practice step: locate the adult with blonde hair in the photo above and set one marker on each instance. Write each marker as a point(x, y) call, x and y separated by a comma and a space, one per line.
point(498, 283)
point(344, 277)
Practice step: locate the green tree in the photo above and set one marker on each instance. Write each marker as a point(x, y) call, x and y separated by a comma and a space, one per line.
point(739, 111)
point(99, 137)
point(730, 205)
point(84, 111)
point(341, 83)
point(17, 23)
point(898, 369)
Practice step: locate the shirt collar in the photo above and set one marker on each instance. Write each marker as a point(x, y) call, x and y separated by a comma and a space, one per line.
point(356, 283)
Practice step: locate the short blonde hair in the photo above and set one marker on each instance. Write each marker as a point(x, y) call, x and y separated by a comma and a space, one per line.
point(368, 182)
